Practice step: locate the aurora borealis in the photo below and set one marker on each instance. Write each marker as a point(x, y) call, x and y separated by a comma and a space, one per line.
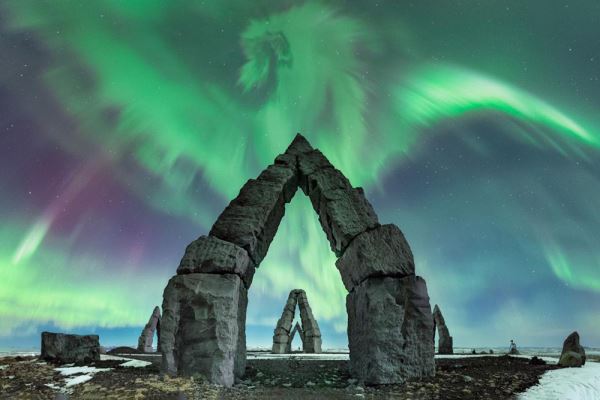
point(126, 127)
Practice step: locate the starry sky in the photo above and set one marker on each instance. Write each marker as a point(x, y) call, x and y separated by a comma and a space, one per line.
point(126, 128)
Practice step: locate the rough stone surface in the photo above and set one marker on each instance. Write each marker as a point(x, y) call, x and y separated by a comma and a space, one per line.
point(444, 340)
point(343, 211)
point(343, 215)
point(573, 354)
point(310, 328)
point(298, 146)
point(310, 332)
point(64, 348)
point(212, 255)
point(203, 327)
point(390, 330)
point(382, 251)
point(147, 335)
point(252, 218)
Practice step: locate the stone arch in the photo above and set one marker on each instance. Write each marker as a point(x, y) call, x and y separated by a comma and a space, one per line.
point(309, 332)
point(147, 335)
point(445, 345)
point(389, 317)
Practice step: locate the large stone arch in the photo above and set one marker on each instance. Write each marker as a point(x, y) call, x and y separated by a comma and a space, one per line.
point(390, 324)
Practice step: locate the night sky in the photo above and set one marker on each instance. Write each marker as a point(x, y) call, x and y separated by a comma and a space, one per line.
point(127, 126)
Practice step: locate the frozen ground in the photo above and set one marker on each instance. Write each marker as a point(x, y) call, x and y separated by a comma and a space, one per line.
point(561, 384)
point(567, 384)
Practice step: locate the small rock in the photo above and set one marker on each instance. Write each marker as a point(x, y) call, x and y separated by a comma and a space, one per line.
point(536, 361)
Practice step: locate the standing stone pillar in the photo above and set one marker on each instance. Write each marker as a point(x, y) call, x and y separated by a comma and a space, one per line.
point(147, 335)
point(390, 327)
point(311, 333)
point(445, 345)
point(281, 335)
point(204, 318)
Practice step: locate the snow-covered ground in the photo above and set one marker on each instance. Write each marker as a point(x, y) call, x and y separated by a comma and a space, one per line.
point(76, 375)
point(567, 384)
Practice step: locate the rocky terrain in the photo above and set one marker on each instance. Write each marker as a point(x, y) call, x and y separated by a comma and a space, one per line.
point(485, 377)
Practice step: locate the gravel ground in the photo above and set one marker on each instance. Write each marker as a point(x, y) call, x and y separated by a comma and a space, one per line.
point(456, 378)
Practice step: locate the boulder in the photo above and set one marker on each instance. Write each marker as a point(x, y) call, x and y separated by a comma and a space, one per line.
point(445, 340)
point(382, 251)
point(390, 330)
point(65, 348)
point(573, 354)
point(211, 255)
point(147, 335)
point(203, 327)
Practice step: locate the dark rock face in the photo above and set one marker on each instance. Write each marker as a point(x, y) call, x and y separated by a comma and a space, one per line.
point(390, 325)
point(309, 331)
point(573, 354)
point(382, 251)
point(64, 348)
point(147, 335)
point(390, 330)
point(203, 326)
point(445, 340)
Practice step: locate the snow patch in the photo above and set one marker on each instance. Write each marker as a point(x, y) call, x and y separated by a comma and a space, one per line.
point(136, 364)
point(78, 379)
point(80, 370)
point(3, 367)
point(567, 384)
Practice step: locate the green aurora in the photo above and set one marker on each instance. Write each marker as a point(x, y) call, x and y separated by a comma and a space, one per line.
point(182, 102)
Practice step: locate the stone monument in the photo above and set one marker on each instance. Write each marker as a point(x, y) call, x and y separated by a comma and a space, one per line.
point(390, 325)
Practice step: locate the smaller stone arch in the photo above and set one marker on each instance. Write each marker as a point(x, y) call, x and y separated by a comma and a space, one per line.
point(445, 340)
point(147, 335)
point(310, 334)
point(297, 329)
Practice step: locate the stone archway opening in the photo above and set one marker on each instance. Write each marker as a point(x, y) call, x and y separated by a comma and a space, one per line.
point(390, 324)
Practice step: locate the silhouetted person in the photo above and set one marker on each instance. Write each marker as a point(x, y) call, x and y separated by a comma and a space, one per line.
point(513, 348)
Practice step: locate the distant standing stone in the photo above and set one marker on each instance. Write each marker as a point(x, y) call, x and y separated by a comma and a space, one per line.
point(573, 354)
point(147, 335)
point(66, 348)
